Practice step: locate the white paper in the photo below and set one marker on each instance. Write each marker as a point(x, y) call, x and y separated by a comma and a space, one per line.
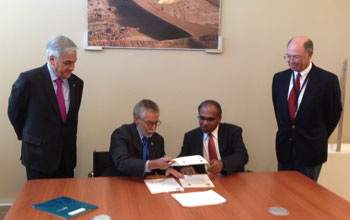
point(163, 185)
point(196, 181)
point(194, 199)
point(189, 160)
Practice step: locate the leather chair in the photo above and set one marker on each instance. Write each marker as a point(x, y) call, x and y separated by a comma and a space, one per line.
point(102, 165)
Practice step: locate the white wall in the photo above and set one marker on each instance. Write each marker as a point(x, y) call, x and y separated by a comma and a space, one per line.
point(255, 35)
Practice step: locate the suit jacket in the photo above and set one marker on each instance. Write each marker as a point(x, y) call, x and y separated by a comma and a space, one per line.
point(317, 117)
point(34, 113)
point(126, 150)
point(232, 150)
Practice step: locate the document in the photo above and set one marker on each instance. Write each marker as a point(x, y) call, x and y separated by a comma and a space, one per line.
point(64, 207)
point(194, 199)
point(196, 181)
point(189, 160)
point(163, 185)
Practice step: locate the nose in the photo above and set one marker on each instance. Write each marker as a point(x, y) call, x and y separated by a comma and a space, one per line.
point(71, 67)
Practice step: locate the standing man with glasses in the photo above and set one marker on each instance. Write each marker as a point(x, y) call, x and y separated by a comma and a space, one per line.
point(219, 143)
point(137, 149)
point(43, 109)
point(307, 107)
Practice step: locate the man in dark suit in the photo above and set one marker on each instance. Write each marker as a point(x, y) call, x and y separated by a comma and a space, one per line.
point(307, 106)
point(137, 149)
point(220, 143)
point(43, 109)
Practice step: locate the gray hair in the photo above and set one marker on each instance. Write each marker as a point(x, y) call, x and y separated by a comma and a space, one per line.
point(308, 45)
point(142, 106)
point(57, 45)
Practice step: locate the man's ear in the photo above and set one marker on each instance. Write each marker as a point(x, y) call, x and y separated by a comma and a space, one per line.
point(137, 120)
point(310, 53)
point(52, 59)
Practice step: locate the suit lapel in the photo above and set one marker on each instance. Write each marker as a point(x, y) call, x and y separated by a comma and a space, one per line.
point(285, 91)
point(72, 96)
point(136, 139)
point(198, 142)
point(310, 91)
point(49, 89)
point(221, 140)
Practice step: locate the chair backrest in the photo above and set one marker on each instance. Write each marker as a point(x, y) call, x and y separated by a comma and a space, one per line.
point(103, 164)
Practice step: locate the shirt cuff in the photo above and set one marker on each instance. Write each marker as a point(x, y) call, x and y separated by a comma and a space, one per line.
point(147, 170)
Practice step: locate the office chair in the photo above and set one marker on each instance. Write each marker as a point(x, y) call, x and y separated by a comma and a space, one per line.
point(102, 165)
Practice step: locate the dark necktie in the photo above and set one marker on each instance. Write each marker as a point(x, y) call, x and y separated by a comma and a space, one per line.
point(293, 97)
point(211, 148)
point(144, 148)
point(60, 99)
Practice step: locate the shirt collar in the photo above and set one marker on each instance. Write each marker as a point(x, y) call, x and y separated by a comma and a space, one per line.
point(304, 72)
point(53, 75)
point(214, 133)
point(140, 134)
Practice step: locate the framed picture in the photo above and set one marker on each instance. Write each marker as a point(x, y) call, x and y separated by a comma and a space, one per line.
point(153, 24)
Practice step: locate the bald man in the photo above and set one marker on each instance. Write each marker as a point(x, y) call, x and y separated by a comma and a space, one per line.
point(307, 107)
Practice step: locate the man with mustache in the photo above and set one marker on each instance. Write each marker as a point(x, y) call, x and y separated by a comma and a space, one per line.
point(220, 143)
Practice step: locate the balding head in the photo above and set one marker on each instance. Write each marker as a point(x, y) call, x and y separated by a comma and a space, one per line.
point(299, 53)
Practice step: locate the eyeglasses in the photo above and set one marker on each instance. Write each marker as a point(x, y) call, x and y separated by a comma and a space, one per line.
point(289, 57)
point(151, 123)
point(209, 120)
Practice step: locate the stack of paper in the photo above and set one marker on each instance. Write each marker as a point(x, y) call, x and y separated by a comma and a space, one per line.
point(199, 198)
point(163, 185)
point(196, 181)
point(189, 160)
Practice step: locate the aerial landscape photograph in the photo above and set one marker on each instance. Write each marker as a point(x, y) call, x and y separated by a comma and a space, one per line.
point(154, 24)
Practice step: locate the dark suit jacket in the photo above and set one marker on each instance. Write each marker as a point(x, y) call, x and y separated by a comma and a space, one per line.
point(232, 150)
point(126, 150)
point(316, 119)
point(34, 113)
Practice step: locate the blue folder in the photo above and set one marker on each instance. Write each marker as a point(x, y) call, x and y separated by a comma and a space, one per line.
point(64, 207)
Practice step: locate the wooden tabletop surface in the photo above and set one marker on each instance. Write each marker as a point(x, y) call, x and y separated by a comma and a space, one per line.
point(248, 195)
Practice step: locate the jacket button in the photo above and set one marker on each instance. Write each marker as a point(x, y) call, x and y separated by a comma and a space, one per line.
point(293, 126)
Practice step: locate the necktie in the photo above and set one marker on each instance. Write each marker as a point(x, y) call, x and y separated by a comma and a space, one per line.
point(292, 100)
point(211, 148)
point(144, 148)
point(60, 99)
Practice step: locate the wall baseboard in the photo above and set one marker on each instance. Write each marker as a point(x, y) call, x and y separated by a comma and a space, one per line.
point(4, 207)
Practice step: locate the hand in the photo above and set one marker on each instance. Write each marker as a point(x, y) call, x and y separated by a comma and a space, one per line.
point(216, 166)
point(161, 163)
point(175, 173)
point(188, 170)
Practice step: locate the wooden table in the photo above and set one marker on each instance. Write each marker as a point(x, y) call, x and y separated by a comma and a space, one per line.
point(248, 195)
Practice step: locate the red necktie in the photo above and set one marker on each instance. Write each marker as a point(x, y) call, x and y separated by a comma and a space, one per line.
point(60, 99)
point(292, 100)
point(211, 148)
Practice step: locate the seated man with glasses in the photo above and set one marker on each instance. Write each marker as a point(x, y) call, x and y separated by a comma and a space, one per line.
point(136, 149)
point(220, 143)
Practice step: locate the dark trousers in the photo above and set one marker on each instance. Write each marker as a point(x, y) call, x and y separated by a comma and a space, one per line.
point(61, 172)
point(311, 172)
